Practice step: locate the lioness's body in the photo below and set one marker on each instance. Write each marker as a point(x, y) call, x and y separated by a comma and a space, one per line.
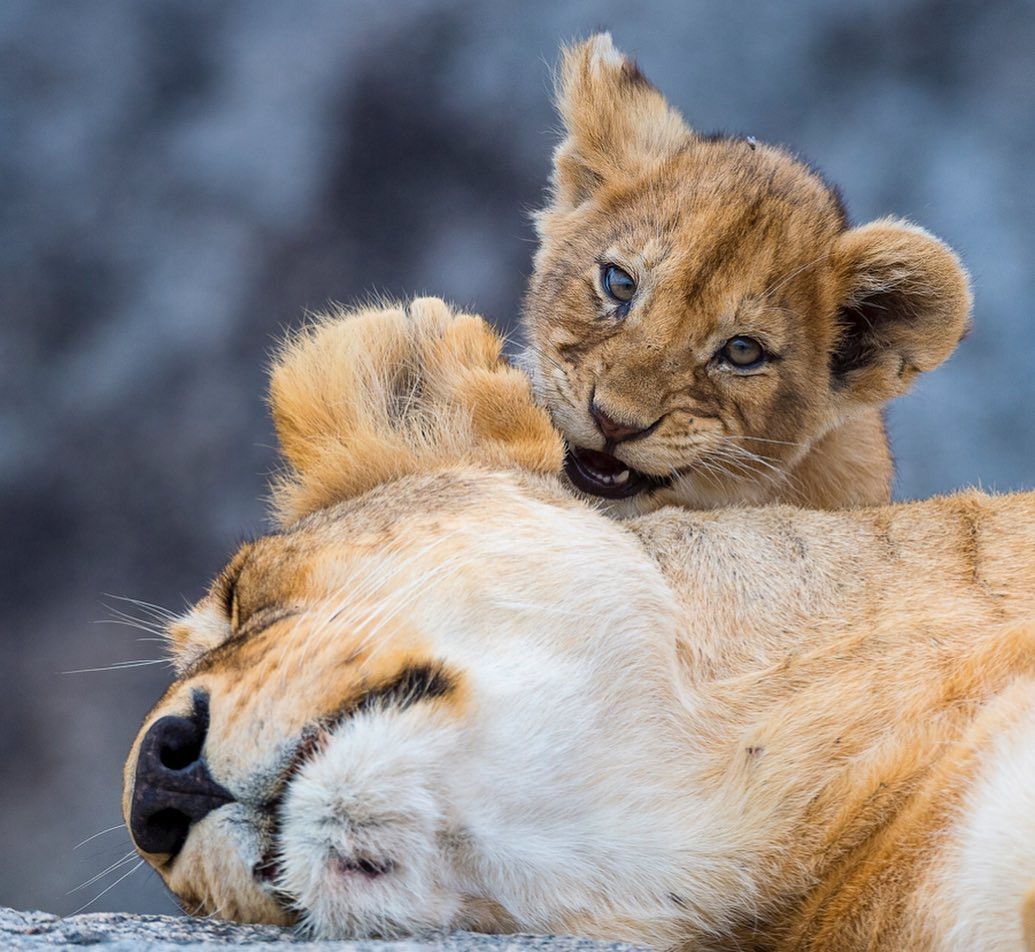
point(770, 728)
point(858, 677)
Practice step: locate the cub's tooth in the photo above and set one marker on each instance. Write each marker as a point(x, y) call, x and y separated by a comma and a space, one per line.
point(622, 477)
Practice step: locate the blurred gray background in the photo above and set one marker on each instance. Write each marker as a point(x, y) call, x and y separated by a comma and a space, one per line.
point(179, 180)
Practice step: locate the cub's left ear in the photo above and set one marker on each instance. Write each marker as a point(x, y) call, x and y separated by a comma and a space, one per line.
point(905, 305)
point(616, 123)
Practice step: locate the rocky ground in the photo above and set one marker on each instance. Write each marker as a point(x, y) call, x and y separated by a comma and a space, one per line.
point(120, 932)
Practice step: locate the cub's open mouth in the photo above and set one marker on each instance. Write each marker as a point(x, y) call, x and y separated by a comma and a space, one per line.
point(602, 474)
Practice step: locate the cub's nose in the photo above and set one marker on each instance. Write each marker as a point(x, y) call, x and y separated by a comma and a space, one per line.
point(615, 432)
point(172, 787)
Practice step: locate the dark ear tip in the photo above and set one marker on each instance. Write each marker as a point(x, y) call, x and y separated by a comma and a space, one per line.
point(632, 75)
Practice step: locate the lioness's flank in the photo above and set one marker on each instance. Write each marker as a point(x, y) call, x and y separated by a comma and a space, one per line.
point(704, 325)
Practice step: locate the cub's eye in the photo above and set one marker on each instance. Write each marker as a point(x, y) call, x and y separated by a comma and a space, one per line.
point(619, 284)
point(743, 352)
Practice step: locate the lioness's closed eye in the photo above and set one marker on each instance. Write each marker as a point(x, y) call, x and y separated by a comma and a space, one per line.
point(703, 324)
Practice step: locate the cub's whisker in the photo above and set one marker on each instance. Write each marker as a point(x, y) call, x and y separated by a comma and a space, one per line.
point(760, 439)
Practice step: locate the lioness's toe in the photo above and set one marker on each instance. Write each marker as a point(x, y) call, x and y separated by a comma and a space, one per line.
point(452, 341)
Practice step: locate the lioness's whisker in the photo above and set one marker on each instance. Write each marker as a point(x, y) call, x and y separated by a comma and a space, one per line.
point(120, 666)
point(150, 607)
point(121, 861)
point(128, 623)
point(152, 623)
point(111, 829)
point(108, 888)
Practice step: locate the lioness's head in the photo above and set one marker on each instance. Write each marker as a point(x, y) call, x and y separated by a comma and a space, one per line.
point(700, 311)
point(378, 725)
point(389, 715)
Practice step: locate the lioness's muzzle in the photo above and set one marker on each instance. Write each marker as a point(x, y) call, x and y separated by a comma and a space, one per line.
point(172, 787)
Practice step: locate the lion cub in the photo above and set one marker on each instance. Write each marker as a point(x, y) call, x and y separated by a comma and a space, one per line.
point(704, 326)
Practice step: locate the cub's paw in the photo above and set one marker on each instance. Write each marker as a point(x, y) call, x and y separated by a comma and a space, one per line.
point(363, 397)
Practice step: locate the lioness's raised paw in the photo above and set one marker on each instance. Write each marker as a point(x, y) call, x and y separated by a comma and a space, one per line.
point(361, 397)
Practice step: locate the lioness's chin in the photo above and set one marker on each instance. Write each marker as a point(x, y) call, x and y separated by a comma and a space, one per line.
point(360, 846)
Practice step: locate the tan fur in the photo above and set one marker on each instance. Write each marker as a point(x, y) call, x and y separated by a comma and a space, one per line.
point(841, 681)
point(1028, 916)
point(725, 237)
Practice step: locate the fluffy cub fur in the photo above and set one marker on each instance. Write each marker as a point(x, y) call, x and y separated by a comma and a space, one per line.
point(721, 249)
point(429, 702)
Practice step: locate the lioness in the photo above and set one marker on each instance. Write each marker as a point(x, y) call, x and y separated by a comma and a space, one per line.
point(703, 324)
point(446, 693)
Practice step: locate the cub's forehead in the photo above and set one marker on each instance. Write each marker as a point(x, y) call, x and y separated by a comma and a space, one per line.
point(724, 185)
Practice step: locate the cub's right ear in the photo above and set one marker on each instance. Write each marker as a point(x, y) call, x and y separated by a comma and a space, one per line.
point(905, 305)
point(615, 121)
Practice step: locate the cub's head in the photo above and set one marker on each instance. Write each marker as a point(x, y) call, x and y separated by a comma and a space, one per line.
point(700, 312)
point(385, 717)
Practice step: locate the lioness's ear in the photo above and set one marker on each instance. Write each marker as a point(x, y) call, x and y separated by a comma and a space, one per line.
point(615, 120)
point(362, 398)
point(905, 305)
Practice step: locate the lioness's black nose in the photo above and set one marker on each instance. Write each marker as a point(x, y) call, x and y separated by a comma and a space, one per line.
point(173, 787)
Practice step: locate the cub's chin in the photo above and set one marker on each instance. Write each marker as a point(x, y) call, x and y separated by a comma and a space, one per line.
point(601, 474)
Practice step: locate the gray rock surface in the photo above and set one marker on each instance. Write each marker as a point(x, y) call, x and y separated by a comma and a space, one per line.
point(121, 932)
